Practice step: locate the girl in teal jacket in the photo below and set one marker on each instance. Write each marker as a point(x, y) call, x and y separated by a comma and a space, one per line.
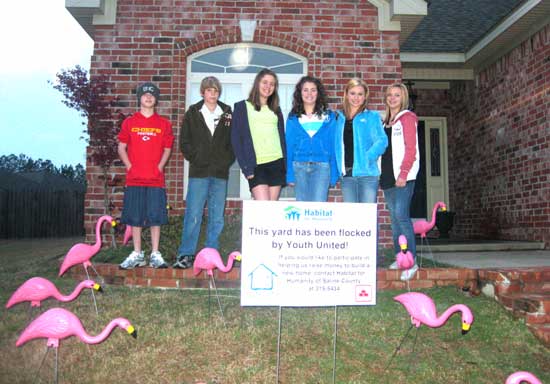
point(359, 142)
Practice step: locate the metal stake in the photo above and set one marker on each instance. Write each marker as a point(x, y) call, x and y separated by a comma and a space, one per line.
point(219, 302)
point(92, 291)
point(41, 364)
point(398, 347)
point(279, 343)
point(335, 338)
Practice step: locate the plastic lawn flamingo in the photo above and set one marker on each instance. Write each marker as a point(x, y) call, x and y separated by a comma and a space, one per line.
point(58, 323)
point(422, 227)
point(210, 259)
point(127, 235)
point(405, 259)
point(82, 253)
point(422, 310)
point(37, 289)
point(522, 376)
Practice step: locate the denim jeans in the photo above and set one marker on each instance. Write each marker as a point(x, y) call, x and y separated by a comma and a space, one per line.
point(312, 180)
point(398, 201)
point(208, 190)
point(359, 189)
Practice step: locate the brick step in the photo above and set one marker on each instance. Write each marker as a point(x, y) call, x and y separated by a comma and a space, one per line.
point(543, 287)
point(541, 332)
point(533, 306)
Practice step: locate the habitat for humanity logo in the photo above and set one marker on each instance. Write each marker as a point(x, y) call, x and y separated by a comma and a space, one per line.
point(292, 213)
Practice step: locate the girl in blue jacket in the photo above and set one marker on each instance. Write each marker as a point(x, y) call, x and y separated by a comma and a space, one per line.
point(360, 141)
point(311, 164)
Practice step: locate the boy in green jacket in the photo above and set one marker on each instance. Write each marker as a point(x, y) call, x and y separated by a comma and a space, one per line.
point(205, 141)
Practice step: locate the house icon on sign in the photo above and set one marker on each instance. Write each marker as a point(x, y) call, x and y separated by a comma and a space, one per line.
point(261, 278)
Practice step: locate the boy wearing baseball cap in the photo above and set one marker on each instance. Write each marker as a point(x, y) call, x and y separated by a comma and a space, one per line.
point(145, 143)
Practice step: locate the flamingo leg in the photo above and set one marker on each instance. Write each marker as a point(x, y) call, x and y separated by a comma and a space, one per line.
point(56, 371)
point(41, 364)
point(219, 302)
point(92, 291)
point(430, 250)
point(209, 296)
point(100, 278)
point(398, 348)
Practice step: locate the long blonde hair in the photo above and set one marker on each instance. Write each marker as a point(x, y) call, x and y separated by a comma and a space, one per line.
point(404, 100)
point(354, 83)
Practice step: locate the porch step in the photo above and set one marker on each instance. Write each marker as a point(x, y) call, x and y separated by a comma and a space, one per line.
point(438, 245)
point(541, 332)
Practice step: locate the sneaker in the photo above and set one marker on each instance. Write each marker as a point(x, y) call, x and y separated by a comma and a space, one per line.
point(407, 274)
point(156, 260)
point(135, 259)
point(184, 261)
point(393, 265)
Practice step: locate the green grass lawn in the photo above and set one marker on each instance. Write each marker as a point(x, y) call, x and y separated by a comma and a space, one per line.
point(179, 342)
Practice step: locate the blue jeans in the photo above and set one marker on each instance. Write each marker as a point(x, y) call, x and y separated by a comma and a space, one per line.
point(359, 189)
point(312, 180)
point(208, 190)
point(398, 201)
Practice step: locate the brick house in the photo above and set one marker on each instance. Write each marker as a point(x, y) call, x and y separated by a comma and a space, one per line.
point(479, 70)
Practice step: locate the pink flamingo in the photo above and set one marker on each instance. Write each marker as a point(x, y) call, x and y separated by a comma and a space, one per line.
point(37, 289)
point(522, 376)
point(405, 259)
point(58, 323)
point(422, 310)
point(422, 227)
point(127, 234)
point(82, 253)
point(209, 259)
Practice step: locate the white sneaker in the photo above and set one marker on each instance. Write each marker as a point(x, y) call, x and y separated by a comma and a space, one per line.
point(135, 259)
point(407, 274)
point(156, 260)
point(393, 265)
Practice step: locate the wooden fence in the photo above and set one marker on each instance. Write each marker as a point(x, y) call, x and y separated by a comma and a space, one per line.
point(41, 213)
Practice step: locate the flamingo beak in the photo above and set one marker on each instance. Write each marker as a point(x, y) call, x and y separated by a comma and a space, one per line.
point(97, 287)
point(403, 247)
point(132, 331)
point(465, 328)
point(113, 223)
point(238, 258)
point(444, 208)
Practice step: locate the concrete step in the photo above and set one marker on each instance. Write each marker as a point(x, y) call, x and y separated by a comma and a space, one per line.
point(438, 245)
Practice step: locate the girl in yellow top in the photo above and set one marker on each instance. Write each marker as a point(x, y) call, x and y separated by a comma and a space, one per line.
point(258, 137)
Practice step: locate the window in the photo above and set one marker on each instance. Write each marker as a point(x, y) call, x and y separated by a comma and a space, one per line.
point(236, 66)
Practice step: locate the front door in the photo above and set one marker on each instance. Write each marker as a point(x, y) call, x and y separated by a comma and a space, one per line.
point(432, 183)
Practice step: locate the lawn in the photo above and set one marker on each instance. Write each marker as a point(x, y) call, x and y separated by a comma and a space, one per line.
point(179, 342)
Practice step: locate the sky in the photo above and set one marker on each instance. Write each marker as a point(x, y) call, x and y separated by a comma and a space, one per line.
point(38, 38)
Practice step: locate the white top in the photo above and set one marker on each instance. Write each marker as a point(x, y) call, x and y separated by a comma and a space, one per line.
point(311, 124)
point(211, 118)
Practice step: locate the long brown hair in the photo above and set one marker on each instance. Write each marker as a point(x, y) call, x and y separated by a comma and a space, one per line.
point(254, 96)
point(404, 100)
point(354, 83)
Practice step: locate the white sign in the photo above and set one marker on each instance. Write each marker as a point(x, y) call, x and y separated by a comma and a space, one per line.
point(308, 254)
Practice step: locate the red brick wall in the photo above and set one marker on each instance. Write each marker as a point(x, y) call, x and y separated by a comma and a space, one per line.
point(152, 40)
point(499, 147)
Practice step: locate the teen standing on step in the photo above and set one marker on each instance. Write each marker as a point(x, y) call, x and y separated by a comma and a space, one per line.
point(145, 142)
point(205, 141)
point(311, 165)
point(360, 141)
point(258, 137)
point(400, 164)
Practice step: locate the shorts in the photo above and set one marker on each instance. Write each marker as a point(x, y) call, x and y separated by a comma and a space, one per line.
point(272, 174)
point(144, 207)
